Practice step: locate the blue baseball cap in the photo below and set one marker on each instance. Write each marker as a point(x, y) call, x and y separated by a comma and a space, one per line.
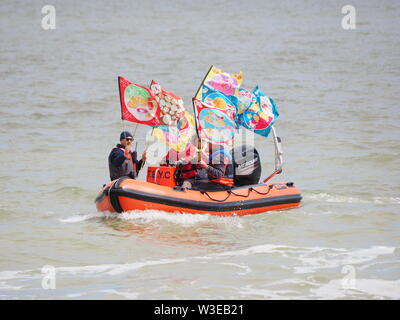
point(125, 134)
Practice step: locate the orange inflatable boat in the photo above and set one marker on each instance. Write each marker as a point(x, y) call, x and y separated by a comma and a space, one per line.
point(126, 194)
point(160, 191)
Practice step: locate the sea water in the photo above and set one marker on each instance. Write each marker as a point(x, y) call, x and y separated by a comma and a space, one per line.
point(338, 95)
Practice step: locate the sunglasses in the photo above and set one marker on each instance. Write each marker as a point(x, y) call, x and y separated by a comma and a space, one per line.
point(128, 139)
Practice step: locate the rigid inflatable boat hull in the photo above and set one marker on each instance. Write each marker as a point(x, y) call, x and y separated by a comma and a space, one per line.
point(127, 194)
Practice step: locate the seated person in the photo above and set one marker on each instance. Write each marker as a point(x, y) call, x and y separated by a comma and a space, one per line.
point(183, 161)
point(213, 172)
point(122, 161)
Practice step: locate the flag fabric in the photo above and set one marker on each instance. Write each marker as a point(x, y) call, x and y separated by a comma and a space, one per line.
point(214, 125)
point(245, 99)
point(259, 112)
point(221, 81)
point(171, 105)
point(220, 101)
point(138, 104)
point(177, 137)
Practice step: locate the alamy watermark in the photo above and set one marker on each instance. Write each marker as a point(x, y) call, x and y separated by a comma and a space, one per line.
point(349, 280)
point(49, 277)
point(49, 18)
point(157, 149)
point(349, 20)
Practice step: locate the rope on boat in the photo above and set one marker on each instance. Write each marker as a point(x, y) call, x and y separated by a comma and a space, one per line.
point(263, 193)
point(242, 195)
point(206, 193)
point(238, 195)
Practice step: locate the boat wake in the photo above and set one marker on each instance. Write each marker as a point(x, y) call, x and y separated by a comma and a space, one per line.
point(153, 215)
point(82, 217)
point(150, 216)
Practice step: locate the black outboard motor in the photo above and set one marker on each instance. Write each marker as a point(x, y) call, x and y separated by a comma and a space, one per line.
point(247, 165)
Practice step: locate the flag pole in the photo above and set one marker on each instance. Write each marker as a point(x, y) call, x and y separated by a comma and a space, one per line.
point(278, 155)
point(134, 131)
point(120, 101)
point(202, 82)
point(199, 146)
point(145, 146)
point(120, 96)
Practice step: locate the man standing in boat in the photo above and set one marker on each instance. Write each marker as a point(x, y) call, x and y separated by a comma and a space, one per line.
point(122, 161)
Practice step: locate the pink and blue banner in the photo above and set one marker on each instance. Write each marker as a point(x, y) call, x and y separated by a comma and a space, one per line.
point(256, 111)
point(215, 125)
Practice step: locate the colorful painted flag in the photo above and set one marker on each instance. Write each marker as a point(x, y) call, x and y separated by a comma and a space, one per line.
point(260, 112)
point(214, 125)
point(220, 101)
point(221, 81)
point(177, 137)
point(138, 104)
point(245, 99)
point(171, 105)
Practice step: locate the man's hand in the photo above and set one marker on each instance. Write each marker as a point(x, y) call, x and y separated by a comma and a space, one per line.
point(203, 164)
point(144, 156)
point(127, 151)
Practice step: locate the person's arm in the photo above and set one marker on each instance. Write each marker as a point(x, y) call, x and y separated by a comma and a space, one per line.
point(139, 163)
point(117, 157)
point(216, 171)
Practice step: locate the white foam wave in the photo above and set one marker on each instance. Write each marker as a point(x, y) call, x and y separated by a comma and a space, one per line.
point(383, 200)
point(75, 295)
point(250, 292)
point(350, 199)
point(5, 286)
point(154, 215)
point(112, 269)
point(91, 270)
point(80, 217)
point(149, 216)
point(309, 259)
point(324, 258)
point(376, 288)
point(300, 260)
point(14, 274)
point(265, 248)
point(127, 295)
point(246, 269)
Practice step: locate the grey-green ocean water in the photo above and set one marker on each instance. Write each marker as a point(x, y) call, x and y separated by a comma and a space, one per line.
point(337, 92)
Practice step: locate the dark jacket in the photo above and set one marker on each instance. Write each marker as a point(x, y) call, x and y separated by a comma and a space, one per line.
point(219, 171)
point(120, 166)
